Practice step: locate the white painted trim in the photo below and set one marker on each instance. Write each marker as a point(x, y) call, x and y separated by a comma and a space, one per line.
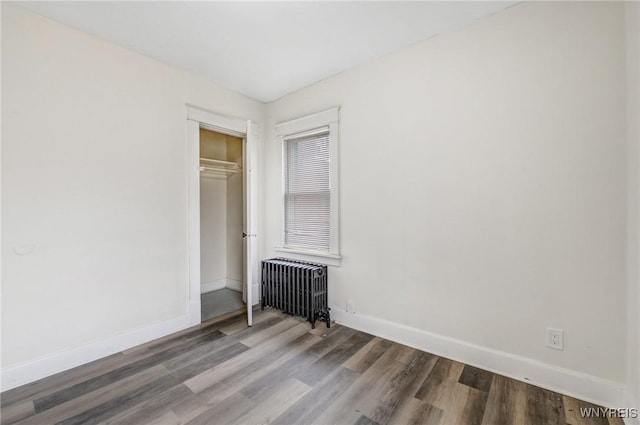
point(631, 401)
point(570, 382)
point(225, 282)
point(193, 181)
point(29, 371)
point(213, 285)
point(314, 257)
point(217, 122)
point(201, 118)
point(308, 124)
point(233, 284)
point(250, 176)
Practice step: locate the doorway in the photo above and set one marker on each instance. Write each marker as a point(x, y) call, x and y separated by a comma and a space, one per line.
point(239, 160)
point(221, 224)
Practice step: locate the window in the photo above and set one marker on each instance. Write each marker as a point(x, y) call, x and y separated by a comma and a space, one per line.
point(307, 192)
point(310, 186)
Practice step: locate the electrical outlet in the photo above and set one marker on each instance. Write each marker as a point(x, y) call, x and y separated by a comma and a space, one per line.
point(555, 338)
point(351, 306)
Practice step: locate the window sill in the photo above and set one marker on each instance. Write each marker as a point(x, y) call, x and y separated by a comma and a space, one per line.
point(312, 256)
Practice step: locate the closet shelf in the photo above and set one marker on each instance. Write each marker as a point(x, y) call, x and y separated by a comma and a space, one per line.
point(218, 168)
point(217, 163)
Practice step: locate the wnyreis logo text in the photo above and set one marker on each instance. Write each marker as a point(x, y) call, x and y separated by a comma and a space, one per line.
point(605, 412)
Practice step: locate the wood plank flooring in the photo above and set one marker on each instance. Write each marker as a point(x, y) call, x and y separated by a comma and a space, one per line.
point(281, 371)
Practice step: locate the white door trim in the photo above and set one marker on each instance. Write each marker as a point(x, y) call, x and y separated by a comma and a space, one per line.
point(217, 122)
point(197, 118)
point(193, 181)
point(251, 218)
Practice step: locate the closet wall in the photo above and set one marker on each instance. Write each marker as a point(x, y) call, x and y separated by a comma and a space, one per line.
point(221, 215)
point(235, 208)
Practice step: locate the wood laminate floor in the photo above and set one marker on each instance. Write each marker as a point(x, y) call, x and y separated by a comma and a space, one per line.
point(280, 371)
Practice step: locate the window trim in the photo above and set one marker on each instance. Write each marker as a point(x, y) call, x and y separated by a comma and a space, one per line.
point(295, 128)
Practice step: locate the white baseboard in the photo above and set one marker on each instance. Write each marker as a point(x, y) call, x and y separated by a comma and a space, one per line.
point(214, 285)
point(631, 401)
point(226, 282)
point(576, 384)
point(233, 284)
point(53, 363)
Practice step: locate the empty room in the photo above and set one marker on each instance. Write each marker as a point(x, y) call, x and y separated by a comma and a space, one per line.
point(318, 212)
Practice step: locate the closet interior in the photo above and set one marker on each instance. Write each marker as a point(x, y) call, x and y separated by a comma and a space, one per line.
point(221, 224)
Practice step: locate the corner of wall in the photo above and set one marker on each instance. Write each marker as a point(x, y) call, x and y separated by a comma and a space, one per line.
point(632, 37)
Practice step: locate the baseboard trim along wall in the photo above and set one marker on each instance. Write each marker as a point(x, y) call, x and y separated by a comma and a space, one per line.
point(48, 365)
point(234, 284)
point(226, 282)
point(214, 285)
point(586, 387)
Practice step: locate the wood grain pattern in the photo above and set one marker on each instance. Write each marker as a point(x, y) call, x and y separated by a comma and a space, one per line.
point(14, 412)
point(315, 372)
point(96, 398)
point(471, 405)
point(417, 412)
point(211, 392)
point(440, 385)
point(362, 397)
point(402, 386)
point(476, 378)
point(281, 371)
point(363, 420)
point(573, 415)
point(363, 359)
point(544, 407)
point(307, 409)
point(506, 402)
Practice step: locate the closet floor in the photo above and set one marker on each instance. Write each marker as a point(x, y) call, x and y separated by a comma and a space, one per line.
point(217, 303)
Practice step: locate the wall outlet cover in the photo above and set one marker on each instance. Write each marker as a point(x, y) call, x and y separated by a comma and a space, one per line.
point(555, 338)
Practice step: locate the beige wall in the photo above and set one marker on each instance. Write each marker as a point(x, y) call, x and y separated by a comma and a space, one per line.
point(213, 214)
point(482, 178)
point(633, 195)
point(213, 232)
point(235, 205)
point(235, 256)
point(94, 178)
point(213, 145)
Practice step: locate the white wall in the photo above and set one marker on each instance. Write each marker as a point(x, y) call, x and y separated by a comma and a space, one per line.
point(235, 227)
point(483, 185)
point(213, 233)
point(632, 14)
point(94, 178)
point(234, 232)
point(482, 177)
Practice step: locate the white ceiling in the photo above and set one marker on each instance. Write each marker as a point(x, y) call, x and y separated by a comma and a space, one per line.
point(265, 49)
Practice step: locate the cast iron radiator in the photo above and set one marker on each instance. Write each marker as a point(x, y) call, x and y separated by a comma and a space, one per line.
point(296, 287)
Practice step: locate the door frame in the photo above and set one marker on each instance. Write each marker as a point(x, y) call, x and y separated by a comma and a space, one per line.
point(201, 118)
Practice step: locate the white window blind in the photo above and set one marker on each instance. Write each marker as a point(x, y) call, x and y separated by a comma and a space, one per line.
point(307, 187)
